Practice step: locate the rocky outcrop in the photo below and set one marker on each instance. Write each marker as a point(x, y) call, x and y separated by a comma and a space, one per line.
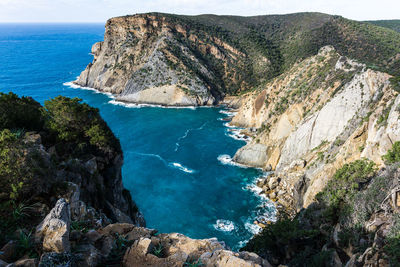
point(55, 228)
point(322, 113)
point(168, 59)
point(128, 245)
point(252, 154)
point(140, 61)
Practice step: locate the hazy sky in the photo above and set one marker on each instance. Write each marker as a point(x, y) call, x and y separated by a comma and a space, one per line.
point(101, 10)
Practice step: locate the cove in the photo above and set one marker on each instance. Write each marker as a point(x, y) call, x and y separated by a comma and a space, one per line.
point(174, 158)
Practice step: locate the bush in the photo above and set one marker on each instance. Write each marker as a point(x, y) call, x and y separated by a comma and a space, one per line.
point(78, 123)
point(393, 155)
point(346, 181)
point(13, 168)
point(368, 201)
point(17, 113)
point(277, 238)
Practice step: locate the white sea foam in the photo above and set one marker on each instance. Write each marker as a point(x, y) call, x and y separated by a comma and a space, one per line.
point(177, 144)
point(135, 105)
point(181, 167)
point(228, 112)
point(227, 160)
point(227, 124)
point(237, 135)
point(224, 225)
point(75, 86)
point(252, 228)
point(151, 155)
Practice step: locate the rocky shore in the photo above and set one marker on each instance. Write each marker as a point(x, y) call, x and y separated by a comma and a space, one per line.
point(65, 204)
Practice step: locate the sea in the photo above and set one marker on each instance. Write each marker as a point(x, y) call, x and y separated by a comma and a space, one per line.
point(177, 161)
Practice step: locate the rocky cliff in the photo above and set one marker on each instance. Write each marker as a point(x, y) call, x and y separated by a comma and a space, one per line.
point(177, 60)
point(63, 202)
point(322, 113)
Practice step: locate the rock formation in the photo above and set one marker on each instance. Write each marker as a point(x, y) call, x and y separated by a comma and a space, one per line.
point(168, 59)
point(324, 112)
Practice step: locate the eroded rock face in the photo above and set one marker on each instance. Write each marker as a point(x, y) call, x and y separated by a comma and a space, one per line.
point(179, 250)
point(142, 69)
point(322, 113)
point(252, 154)
point(55, 228)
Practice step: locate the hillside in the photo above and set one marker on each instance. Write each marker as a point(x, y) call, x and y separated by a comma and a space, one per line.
point(197, 60)
point(390, 24)
point(329, 129)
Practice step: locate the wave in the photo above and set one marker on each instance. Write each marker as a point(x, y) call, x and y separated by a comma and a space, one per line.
point(136, 105)
point(237, 135)
point(227, 124)
point(75, 86)
point(227, 160)
point(252, 228)
point(224, 225)
point(227, 112)
point(181, 167)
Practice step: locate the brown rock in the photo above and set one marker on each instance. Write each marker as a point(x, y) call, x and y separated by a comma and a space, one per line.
point(8, 251)
point(25, 263)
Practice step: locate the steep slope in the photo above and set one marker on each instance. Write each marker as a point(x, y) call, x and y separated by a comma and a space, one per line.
point(324, 112)
point(198, 60)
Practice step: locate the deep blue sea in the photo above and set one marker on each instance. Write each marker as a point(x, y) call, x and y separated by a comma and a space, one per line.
point(172, 166)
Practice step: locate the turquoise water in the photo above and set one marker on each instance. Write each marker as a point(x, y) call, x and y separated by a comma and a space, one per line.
point(173, 165)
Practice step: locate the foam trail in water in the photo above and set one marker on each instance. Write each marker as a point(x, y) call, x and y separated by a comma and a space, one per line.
point(224, 225)
point(177, 144)
point(181, 167)
point(151, 155)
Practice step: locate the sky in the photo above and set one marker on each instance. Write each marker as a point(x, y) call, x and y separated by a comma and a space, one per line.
point(101, 10)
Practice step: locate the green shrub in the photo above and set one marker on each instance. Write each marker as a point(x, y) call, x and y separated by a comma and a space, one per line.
point(346, 181)
point(392, 249)
point(17, 113)
point(276, 238)
point(393, 155)
point(14, 172)
point(158, 251)
point(78, 123)
point(395, 83)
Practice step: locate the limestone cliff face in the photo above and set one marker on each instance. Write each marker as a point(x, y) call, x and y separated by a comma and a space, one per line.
point(143, 59)
point(324, 112)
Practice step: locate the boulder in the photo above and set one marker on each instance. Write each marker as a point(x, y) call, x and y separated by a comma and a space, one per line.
point(87, 255)
point(226, 258)
point(56, 259)
point(252, 155)
point(55, 228)
point(24, 263)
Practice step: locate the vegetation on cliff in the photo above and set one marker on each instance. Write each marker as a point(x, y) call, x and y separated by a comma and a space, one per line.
point(391, 24)
point(53, 151)
point(225, 55)
point(353, 218)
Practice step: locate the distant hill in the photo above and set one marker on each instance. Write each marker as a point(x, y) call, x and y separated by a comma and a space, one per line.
point(391, 24)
